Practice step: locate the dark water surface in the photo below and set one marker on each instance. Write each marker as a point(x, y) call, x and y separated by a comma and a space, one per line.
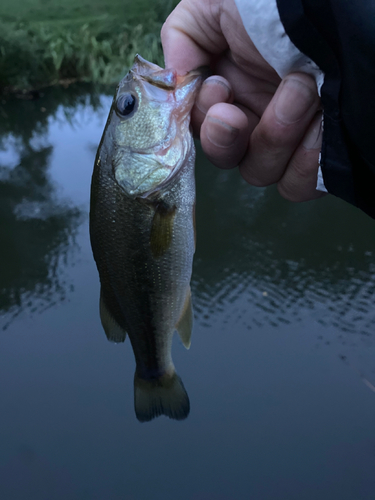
point(281, 371)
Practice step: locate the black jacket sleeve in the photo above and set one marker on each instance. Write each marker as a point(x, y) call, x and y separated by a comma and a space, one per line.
point(339, 36)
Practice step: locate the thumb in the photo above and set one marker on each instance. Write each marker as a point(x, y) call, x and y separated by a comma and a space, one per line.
point(190, 36)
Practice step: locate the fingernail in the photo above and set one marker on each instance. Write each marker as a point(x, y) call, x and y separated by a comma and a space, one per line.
point(294, 99)
point(208, 94)
point(219, 133)
point(313, 137)
point(216, 80)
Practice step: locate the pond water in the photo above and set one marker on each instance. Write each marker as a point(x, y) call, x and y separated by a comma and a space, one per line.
point(281, 371)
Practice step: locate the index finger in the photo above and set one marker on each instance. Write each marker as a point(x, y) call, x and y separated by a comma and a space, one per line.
point(191, 36)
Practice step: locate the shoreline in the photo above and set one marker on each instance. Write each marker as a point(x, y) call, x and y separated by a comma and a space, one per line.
point(92, 49)
point(35, 58)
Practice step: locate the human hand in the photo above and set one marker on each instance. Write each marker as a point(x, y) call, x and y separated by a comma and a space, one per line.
point(245, 115)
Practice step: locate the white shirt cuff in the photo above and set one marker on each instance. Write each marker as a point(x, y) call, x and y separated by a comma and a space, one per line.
point(262, 22)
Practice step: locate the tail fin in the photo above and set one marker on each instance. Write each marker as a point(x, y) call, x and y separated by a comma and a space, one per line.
point(163, 396)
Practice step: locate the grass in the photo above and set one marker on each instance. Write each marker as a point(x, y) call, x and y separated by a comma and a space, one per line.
point(43, 42)
point(76, 11)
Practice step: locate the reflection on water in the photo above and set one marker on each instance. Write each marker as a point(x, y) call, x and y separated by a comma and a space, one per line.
point(36, 230)
point(283, 337)
point(39, 478)
point(284, 262)
point(37, 226)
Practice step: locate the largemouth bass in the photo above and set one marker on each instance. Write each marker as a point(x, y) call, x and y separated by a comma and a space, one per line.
point(142, 228)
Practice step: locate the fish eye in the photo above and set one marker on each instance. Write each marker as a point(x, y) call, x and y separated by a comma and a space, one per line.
point(126, 105)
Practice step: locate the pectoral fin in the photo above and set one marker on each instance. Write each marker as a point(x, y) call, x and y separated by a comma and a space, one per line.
point(162, 229)
point(112, 329)
point(184, 325)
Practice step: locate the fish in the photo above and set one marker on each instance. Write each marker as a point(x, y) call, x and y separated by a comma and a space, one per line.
point(142, 228)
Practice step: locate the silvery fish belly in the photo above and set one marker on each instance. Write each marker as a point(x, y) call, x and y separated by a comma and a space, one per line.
point(142, 228)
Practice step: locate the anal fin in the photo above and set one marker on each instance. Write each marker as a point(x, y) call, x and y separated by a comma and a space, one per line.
point(184, 325)
point(112, 329)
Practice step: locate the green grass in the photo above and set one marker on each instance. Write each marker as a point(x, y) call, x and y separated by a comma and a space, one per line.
point(77, 10)
point(45, 41)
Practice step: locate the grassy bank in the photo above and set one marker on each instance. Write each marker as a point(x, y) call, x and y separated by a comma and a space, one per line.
point(45, 41)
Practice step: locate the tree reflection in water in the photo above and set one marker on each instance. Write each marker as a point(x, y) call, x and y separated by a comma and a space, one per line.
point(260, 261)
point(37, 228)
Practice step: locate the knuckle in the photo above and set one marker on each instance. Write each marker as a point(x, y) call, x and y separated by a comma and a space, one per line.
point(273, 138)
point(251, 176)
point(165, 29)
point(305, 166)
point(299, 181)
point(289, 191)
